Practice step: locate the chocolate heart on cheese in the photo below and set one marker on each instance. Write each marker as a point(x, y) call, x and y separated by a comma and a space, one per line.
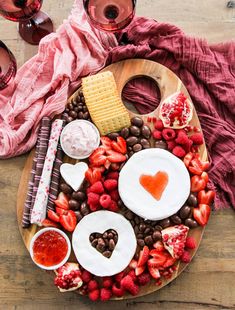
point(74, 174)
point(104, 243)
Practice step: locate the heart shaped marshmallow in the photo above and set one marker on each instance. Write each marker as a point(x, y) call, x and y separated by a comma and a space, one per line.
point(74, 174)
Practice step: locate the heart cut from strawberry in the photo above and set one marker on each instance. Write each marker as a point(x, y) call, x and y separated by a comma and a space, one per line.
point(174, 239)
point(120, 145)
point(143, 256)
point(115, 157)
point(62, 201)
point(202, 214)
point(106, 142)
point(93, 175)
point(68, 221)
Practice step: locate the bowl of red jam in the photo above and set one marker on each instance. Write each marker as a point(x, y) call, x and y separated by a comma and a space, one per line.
point(50, 248)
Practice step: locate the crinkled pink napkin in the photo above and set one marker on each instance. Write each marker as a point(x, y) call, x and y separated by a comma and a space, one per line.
point(42, 85)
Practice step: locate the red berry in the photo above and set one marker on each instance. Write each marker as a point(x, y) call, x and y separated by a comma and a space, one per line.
point(171, 144)
point(105, 201)
point(168, 134)
point(157, 134)
point(186, 258)
point(132, 274)
point(93, 198)
point(94, 295)
point(182, 137)
point(107, 282)
point(158, 124)
point(113, 206)
point(86, 276)
point(94, 207)
point(110, 184)
point(92, 285)
point(190, 243)
point(114, 195)
point(97, 188)
point(105, 294)
point(112, 175)
point(144, 278)
point(179, 151)
point(197, 138)
point(128, 284)
point(117, 290)
point(119, 276)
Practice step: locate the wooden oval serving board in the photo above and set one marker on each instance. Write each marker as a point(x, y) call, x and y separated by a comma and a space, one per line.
point(123, 72)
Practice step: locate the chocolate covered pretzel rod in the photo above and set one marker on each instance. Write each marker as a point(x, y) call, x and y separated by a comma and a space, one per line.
point(40, 206)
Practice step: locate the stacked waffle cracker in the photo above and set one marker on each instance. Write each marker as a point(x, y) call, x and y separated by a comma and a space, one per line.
point(104, 104)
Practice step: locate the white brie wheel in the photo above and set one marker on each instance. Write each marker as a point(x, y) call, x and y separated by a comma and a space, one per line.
point(93, 261)
point(139, 200)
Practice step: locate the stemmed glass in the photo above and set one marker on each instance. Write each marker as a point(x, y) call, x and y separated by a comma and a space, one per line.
point(33, 24)
point(110, 15)
point(7, 66)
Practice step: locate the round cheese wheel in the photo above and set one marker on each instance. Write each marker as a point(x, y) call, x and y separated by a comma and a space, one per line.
point(92, 260)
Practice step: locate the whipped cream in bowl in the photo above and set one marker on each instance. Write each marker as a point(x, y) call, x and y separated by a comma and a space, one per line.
point(79, 139)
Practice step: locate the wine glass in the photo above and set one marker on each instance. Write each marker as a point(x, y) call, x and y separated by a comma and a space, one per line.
point(33, 24)
point(7, 66)
point(110, 15)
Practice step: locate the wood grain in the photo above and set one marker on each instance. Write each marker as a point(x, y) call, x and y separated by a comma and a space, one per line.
point(208, 282)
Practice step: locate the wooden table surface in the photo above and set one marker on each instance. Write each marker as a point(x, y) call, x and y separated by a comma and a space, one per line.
point(209, 281)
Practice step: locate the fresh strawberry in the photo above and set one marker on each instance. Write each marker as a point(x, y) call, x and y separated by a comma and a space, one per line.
point(105, 201)
point(112, 175)
point(202, 214)
point(169, 261)
point(62, 201)
point(158, 246)
point(53, 216)
point(120, 145)
point(93, 175)
point(60, 211)
point(107, 164)
point(188, 158)
point(115, 157)
point(69, 221)
point(206, 197)
point(115, 166)
point(133, 264)
point(106, 142)
point(97, 188)
point(157, 261)
point(49, 223)
point(139, 270)
point(97, 158)
point(205, 176)
point(143, 256)
point(110, 184)
point(154, 272)
point(197, 183)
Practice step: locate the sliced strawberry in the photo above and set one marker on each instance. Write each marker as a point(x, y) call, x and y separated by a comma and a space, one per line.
point(53, 216)
point(187, 159)
point(97, 158)
point(159, 246)
point(107, 164)
point(139, 270)
point(158, 260)
point(169, 261)
point(115, 157)
point(106, 142)
point(154, 272)
point(69, 221)
point(115, 166)
point(49, 223)
point(62, 201)
point(120, 145)
point(93, 175)
point(143, 257)
point(202, 214)
point(133, 264)
point(99, 151)
point(60, 211)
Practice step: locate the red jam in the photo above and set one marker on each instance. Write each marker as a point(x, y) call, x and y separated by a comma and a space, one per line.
point(50, 248)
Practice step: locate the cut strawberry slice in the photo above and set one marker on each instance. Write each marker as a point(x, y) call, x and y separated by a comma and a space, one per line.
point(60, 211)
point(159, 246)
point(174, 239)
point(143, 257)
point(49, 223)
point(93, 175)
point(106, 143)
point(169, 261)
point(115, 157)
point(69, 221)
point(133, 264)
point(154, 272)
point(139, 270)
point(120, 145)
point(53, 216)
point(62, 201)
point(97, 158)
point(202, 214)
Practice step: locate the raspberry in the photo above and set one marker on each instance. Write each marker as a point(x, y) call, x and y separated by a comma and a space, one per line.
point(186, 258)
point(94, 295)
point(190, 243)
point(113, 206)
point(93, 198)
point(92, 285)
point(178, 151)
point(144, 278)
point(112, 175)
point(107, 282)
point(157, 134)
point(97, 188)
point(110, 184)
point(182, 138)
point(94, 207)
point(119, 276)
point(187, 146)
point(168, 134)
point(105, 201)
point(197, 138)
point(105, 294)
point(114, 195)
point(158, 124)
point(128, 284)
point(86, 276)
point(132, 275)
point(171, 144)
point(117, 290)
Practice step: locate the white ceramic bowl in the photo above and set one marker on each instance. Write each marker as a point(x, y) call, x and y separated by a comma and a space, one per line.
point(41, 232)
point(66, 128)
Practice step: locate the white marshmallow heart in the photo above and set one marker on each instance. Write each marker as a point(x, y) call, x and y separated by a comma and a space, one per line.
point(74, 174)
point(93, 261)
